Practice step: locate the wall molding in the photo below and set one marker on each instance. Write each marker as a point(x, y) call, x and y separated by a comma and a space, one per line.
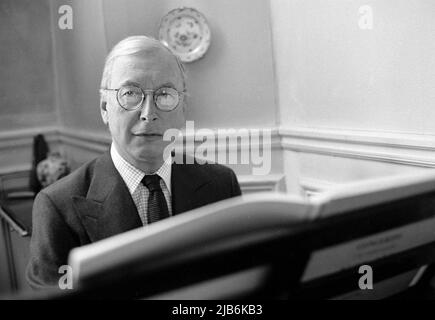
point(96, 141)
point(406, 149)
point(86, 141)
point(399, 148)
point(24, 137)
point(393, 147)
point(271, 182)
point(16, 147)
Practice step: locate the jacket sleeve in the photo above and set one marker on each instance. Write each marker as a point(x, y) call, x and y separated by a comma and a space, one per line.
point(50, 244)
point(235, 187)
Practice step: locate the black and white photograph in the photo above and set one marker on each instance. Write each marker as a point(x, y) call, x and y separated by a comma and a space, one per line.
point(191, 151)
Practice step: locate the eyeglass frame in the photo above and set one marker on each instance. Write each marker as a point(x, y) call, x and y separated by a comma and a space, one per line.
point(181, 95)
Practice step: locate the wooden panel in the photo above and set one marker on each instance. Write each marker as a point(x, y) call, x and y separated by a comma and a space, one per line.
point(6, 285)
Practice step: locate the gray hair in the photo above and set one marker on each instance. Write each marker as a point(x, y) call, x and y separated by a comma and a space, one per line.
point(130, 46)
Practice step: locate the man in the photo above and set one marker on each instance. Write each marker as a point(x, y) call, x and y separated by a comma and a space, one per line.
point(142, 96)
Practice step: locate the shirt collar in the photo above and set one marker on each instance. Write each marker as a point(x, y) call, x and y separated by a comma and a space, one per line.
point(133, 176)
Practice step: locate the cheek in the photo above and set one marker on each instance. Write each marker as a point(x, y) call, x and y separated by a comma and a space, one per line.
point(120, 123)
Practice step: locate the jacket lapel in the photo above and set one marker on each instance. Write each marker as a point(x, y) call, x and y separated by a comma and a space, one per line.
point(108, 208)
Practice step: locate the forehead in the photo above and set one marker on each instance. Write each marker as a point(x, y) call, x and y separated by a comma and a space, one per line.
point(148, 69)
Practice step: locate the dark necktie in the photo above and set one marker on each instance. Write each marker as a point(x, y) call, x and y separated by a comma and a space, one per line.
point(157, 206)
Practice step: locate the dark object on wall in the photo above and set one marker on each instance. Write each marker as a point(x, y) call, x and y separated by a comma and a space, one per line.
point(52, 169)
point(40, 151)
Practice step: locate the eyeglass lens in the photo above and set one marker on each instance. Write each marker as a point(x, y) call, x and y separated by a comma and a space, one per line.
point(131, 97)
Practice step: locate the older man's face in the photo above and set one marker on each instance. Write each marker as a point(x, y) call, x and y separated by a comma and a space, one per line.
point(138, 134)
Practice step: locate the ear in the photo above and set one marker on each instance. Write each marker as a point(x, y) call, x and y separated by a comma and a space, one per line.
point(103, 109)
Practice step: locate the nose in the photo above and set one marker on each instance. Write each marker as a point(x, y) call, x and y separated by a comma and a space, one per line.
point(148, 112)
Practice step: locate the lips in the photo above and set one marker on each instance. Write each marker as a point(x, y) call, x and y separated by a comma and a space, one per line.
point(151, 136)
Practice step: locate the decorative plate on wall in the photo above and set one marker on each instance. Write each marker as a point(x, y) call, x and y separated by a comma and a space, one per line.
point(186, 32)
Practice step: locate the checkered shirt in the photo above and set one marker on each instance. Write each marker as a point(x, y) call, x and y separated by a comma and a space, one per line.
point(133, 177)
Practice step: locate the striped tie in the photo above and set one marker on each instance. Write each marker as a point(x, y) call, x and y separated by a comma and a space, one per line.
point(157, 206)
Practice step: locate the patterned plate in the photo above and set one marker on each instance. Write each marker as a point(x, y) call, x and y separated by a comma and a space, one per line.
point(186, 32)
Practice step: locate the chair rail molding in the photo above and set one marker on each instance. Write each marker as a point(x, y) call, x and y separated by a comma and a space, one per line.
point(408, 149)
point(403, 149)
point(80, 145)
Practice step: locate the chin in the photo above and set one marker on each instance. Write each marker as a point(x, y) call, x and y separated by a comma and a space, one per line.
point(148, 153)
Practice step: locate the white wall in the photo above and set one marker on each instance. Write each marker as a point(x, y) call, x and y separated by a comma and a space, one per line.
point(232, 86)
point(234, 79)
point(26, 65)
point(78, 59)
point(348, 104)
point(352, 98)
point(333, 74)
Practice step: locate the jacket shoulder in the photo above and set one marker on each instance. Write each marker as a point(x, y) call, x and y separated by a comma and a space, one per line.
point(213, 170)
point(223, 176)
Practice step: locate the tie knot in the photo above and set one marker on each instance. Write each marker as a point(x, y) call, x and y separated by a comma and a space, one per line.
point(152, 182)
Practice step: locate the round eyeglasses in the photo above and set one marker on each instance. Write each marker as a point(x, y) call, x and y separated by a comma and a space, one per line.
point(131, 97)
